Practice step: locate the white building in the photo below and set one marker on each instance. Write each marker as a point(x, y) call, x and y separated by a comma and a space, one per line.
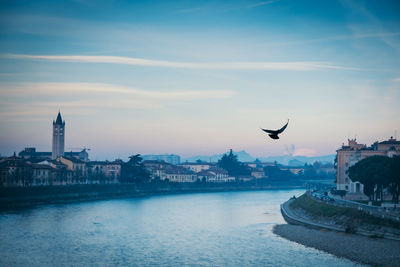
point(197, 166)
point(216, 175)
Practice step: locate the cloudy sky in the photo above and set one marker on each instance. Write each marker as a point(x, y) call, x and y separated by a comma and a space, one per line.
point(198, 77)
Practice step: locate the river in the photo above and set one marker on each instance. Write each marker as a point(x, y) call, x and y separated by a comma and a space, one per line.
point(204, 229)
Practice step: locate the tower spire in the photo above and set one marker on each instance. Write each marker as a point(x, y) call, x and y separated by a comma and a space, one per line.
point(59, 119)
point(58, 137)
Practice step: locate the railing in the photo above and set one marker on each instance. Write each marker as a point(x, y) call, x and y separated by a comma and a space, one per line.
point(387, 213)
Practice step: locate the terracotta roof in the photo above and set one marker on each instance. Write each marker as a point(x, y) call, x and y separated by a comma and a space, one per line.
point(74, 160)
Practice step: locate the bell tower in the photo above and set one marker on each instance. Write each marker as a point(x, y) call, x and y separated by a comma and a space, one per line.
point(58, 137)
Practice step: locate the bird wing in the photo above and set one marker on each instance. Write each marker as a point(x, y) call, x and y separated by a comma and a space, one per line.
point(283, 128)
point(269, 131)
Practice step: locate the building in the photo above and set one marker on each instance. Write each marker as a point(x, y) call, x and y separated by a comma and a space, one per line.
point(15, 172)
point(294, 169)
point(197, 166)
point(62, 176)
point(168, 158)
point(3, 175)
point(58, 145)
point(215, 175)
point(41, 175)
point(30, 152)
point(258, 164)
point(350, 154)
point(104, 171)
point(82, 155)
point(77, 166)
point(58, 137)
point(156, 168)
point(113, 170)
point(257, 173)
point(162, 170)
point(180, 175)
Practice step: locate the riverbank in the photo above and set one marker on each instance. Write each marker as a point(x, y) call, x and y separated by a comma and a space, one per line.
point(373, 251)
point(21, 198)
point(317, 214)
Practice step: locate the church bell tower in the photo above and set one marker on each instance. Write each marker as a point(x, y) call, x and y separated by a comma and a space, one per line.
point(58, 137)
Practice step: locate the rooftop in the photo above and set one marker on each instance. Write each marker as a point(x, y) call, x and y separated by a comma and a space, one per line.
point(74, 160)
point(391, 141)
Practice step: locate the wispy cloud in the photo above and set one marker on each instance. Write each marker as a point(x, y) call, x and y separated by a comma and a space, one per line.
point(68, 89)
point(263, 3)
point(44, 98)
point(374, 23)
point(262, 65)
point(226, 7)
point(396, 80)
point(355, 36)
point(190, 10)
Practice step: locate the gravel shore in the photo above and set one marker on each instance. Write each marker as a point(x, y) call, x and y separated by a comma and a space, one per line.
point(376, 252)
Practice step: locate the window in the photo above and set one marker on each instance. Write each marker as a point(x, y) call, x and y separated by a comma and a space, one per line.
point(357, 187)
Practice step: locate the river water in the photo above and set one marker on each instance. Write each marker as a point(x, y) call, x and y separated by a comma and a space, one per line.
point(208, 229)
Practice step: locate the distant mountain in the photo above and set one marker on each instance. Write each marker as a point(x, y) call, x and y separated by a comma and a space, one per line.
point(285, 159)
point(296, 160)
point(242, 156)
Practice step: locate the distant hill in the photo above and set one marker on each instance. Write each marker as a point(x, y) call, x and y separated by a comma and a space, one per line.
point(285, 159)
point(297, 160)
point(242, 156)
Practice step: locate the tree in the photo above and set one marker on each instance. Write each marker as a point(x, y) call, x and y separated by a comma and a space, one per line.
point(310, 172)
point(335, 163)
point(373, 173)
point(230, 163)
point(275, 173)
point(135, 160)
point(134, 171)
point(394, 179)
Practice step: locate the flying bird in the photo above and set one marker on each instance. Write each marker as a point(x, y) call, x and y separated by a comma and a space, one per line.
point(274, 133)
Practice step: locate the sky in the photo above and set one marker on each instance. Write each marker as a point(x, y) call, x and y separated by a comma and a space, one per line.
point(199, 77)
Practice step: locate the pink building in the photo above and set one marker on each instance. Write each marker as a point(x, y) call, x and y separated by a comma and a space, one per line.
point(349, 155)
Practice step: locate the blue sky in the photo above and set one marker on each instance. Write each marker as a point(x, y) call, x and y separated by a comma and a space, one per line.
point(198, 77)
